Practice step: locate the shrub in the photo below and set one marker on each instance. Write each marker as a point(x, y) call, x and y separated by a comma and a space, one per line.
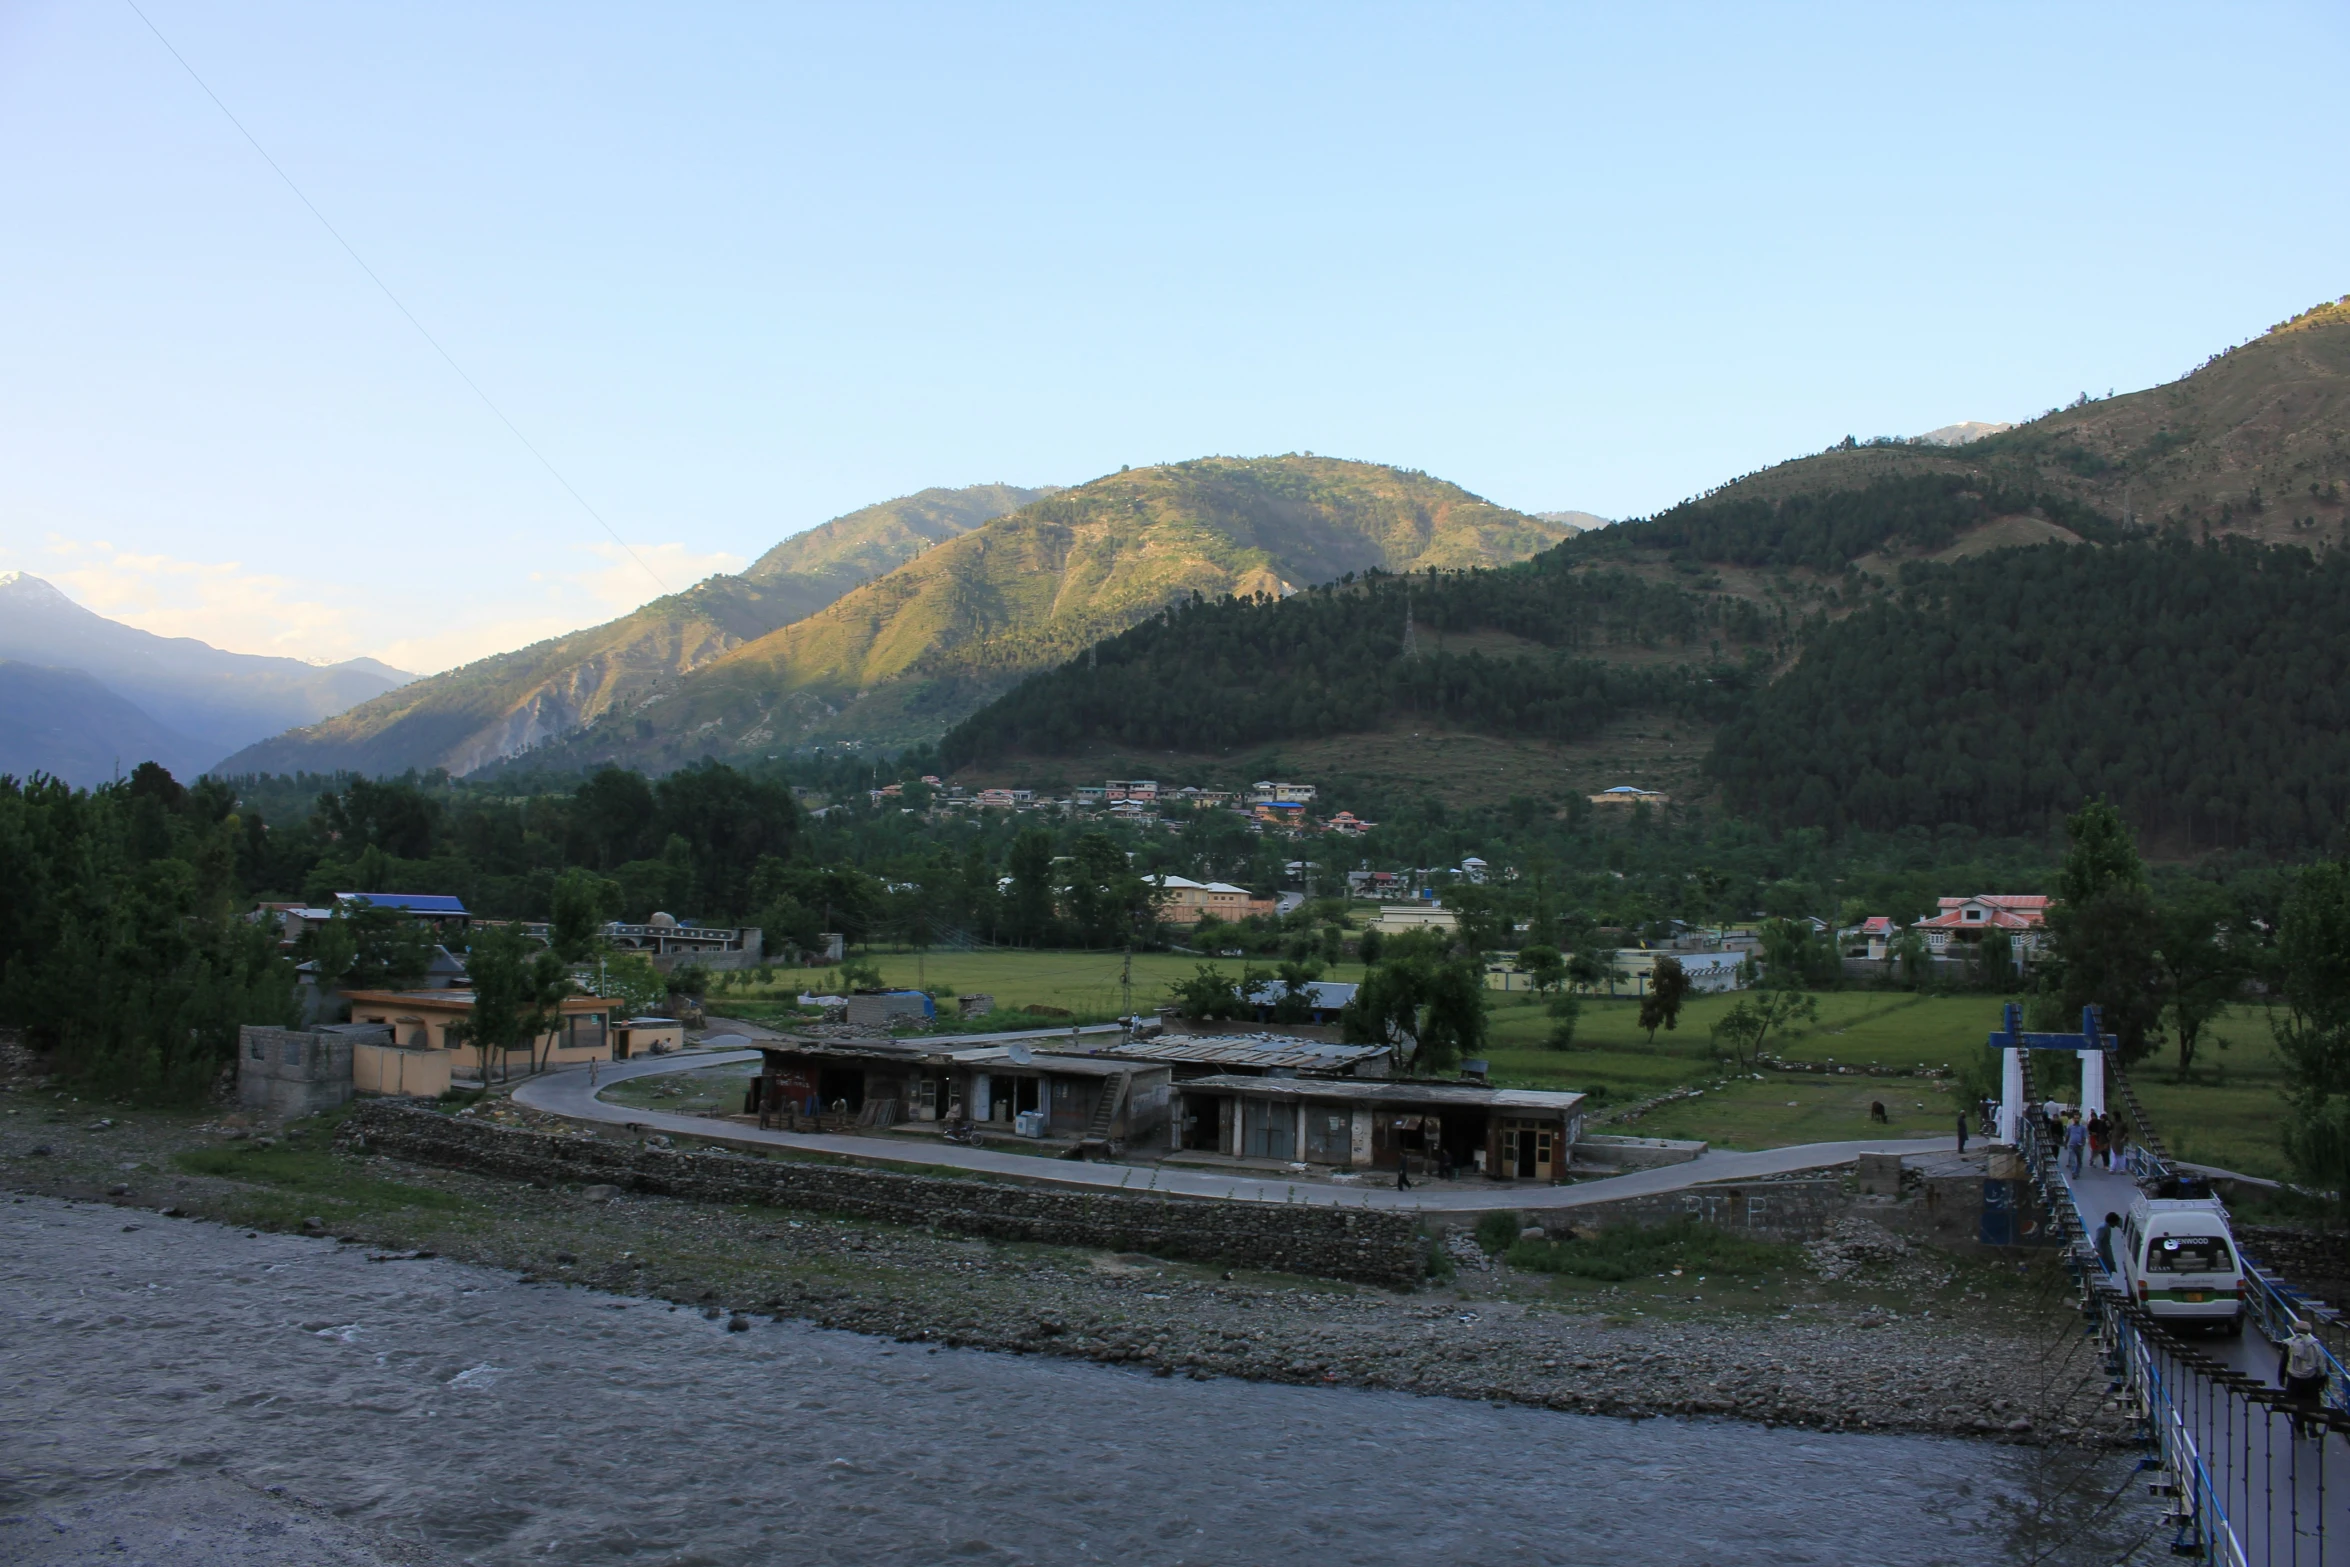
point(1498, 1232)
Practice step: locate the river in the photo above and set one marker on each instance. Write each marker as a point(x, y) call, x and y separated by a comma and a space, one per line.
point(461, 1413)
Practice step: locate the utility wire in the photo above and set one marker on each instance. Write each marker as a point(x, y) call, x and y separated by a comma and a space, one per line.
point(410, 315)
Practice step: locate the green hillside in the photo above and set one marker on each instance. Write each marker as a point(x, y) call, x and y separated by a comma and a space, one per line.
point(908, 655)
point(471, 717)
point(1888, 636)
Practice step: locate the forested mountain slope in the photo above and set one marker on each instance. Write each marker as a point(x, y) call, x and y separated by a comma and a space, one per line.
point(1538, 649)
point(1869, 668)
point(2255, 441)
point(906, 656)
point(67, 724)
point(470, 717)
point(2204, 689)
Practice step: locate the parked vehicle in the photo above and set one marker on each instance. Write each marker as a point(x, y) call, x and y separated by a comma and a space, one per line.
point(2178, 1260)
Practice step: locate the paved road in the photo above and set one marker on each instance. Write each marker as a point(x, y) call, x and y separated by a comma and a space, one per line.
point(566, 1093)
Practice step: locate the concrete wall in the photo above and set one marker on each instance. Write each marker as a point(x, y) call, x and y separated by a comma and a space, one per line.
point(1365, 1245)
point(400, 1071)
point(291, 1072)
point(1635, 1153)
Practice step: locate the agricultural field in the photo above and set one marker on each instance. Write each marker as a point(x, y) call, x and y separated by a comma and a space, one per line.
point(1082, 983)
point(2227, 1116)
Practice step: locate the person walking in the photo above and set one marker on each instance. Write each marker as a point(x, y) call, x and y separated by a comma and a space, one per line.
point(2301, 1367)
point(1962, 1131)
point(1403, 1172)
point(2104, 1238)
point(2076, 1142)
point(2117, 1134)
point(2099, 1141)
point(591, 1075)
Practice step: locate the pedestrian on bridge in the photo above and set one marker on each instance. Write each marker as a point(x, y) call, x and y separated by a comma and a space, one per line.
point(2101, 1141)
point(1962, 1131)
point(2076, 1141)
point(2105, 1234)
point(2301, 1367)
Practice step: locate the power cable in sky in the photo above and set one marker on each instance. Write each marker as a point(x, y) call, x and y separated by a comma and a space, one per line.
point(348, 250)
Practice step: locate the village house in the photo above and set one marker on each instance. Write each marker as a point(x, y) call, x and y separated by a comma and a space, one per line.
point(1710, 973)
point(442, 912)
point(1143, 789)
point(434, 1019)
point(669, 941)
point(1872, 938)
point(1370, 1124)
point(1962, 923)
point(1628, 794)
point(1400, 918)
point(1183, 901)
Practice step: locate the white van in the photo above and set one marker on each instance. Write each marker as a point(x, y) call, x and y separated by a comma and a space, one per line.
point(2178, 1260)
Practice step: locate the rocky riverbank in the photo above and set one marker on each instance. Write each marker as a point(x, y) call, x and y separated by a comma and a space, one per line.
point(1861, 1332)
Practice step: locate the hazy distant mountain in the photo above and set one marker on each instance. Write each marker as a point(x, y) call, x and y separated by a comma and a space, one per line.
point(214, 701)
point(469, 717)
point(1962, 432)
point(64, 723)
point(1579, 521)
point(912, 653)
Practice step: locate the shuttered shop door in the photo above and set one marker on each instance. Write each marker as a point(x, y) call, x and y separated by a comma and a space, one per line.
point(1267, 1131)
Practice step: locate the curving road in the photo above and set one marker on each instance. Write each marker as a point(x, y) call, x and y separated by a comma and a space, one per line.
point(566, 1093)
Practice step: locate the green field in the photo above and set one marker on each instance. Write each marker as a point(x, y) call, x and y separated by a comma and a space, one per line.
point(1084, 983)
point(2229, 1116)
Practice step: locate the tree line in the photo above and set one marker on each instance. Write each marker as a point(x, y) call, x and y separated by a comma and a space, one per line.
point(1204, 676)
point(2204, 689)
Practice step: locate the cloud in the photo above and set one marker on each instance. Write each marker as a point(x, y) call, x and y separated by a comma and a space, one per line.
point(412, 615)
point(219, 602)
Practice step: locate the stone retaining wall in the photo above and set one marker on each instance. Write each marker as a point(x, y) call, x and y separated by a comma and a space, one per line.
point(1799, 1210)
point(1366, 1245)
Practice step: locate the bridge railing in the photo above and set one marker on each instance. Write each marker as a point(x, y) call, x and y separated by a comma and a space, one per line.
point(2144, 1361)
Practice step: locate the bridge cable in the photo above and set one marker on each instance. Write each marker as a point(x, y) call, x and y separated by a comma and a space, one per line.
point(372, 276)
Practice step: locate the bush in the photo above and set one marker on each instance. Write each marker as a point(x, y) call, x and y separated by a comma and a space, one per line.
point(1628, 1251)
point(1498, 1232)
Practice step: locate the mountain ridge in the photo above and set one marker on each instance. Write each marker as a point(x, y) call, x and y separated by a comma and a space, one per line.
point(906, 656)
point(218, 700)
point(509, 703)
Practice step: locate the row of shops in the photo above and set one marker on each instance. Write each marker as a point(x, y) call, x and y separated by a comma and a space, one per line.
point(1242, 1099)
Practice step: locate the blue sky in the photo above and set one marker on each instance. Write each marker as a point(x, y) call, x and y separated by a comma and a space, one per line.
point(739, 269)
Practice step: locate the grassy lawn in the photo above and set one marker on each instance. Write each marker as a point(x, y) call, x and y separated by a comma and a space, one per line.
point(2231, 1113)
point(1084, 983)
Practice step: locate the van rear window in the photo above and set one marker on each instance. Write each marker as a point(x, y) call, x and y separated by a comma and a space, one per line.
point(2188, 1254)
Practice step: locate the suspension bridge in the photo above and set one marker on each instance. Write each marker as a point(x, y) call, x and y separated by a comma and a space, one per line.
point(2248, 1475)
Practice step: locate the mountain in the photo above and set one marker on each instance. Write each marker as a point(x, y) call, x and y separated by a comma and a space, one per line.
point(908, 655)
point(216, 701)
point(1573, 521)
point(2139, 597)
point(2252, 441)
point(63, 722)
point(473, 716)
point(1962, 432)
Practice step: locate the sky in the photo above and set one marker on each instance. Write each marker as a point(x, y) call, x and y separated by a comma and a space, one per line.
point(734, 270)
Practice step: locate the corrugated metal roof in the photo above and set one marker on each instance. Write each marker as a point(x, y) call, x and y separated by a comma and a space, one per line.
point(1266, 1050)
point(412, 902)
point(1373, 1090)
